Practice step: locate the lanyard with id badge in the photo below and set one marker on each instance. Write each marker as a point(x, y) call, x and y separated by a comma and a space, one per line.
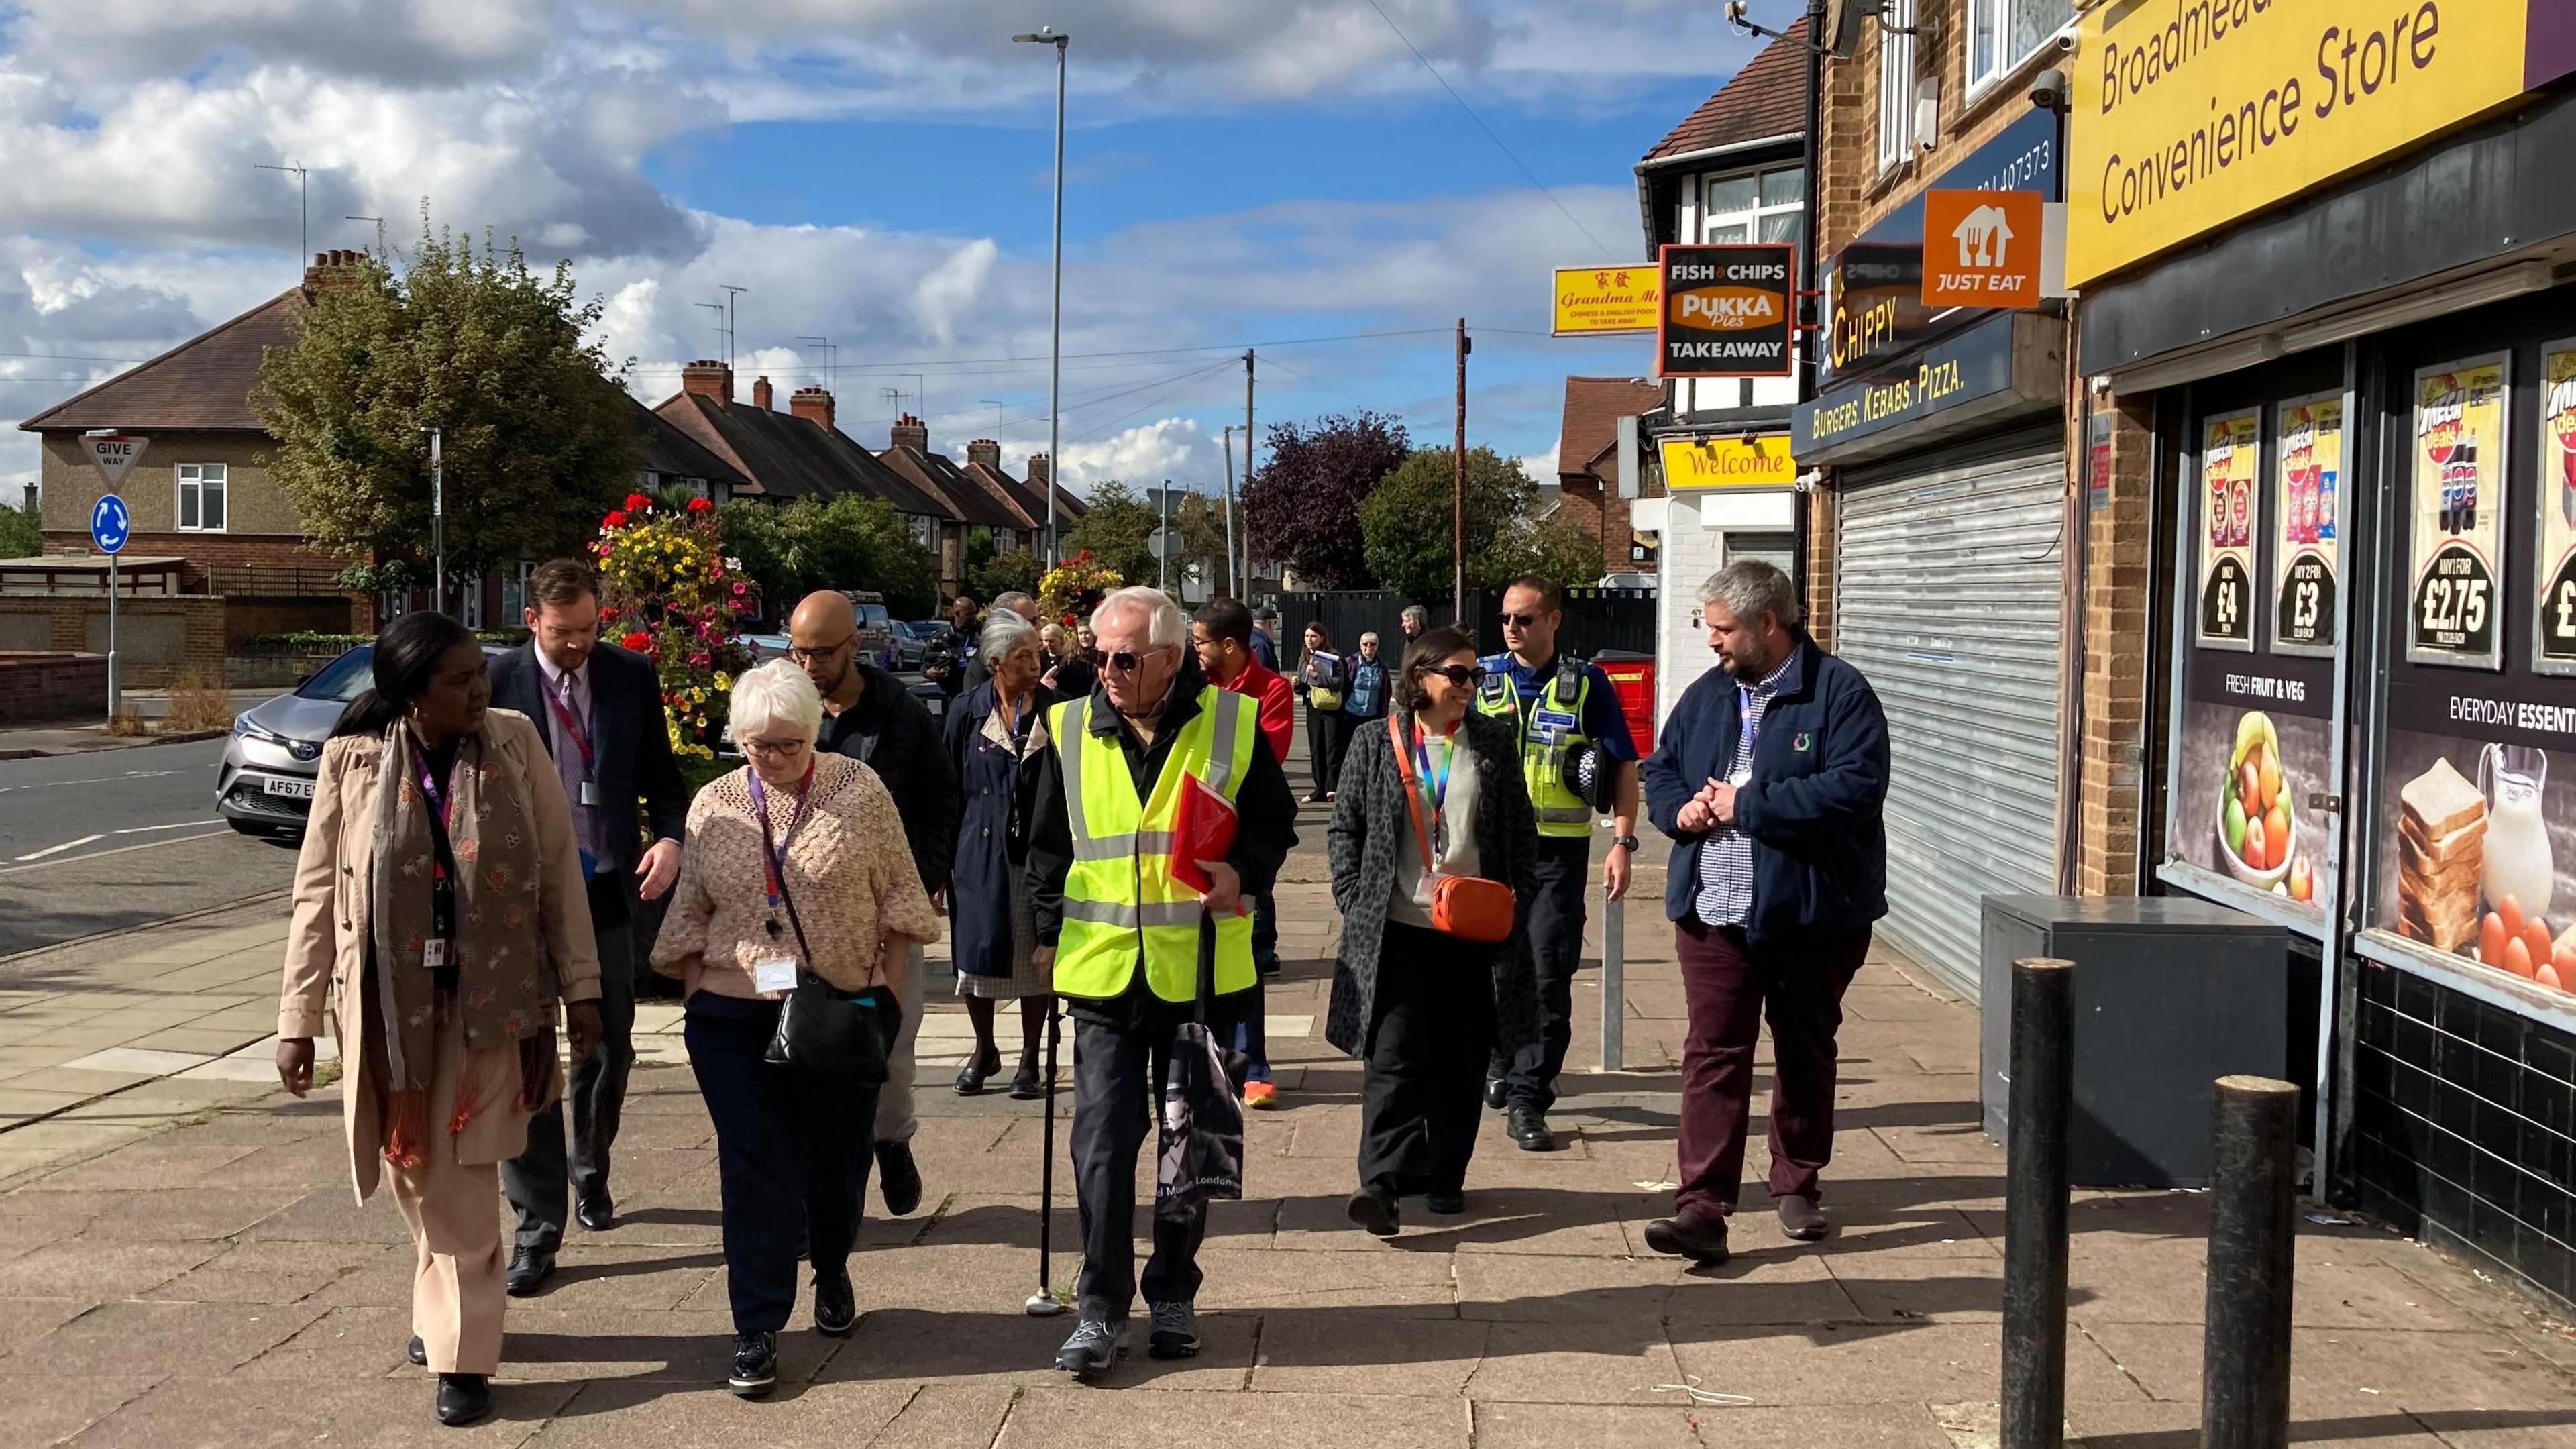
point(439, 953)
point(1750, 721)
point(777, 973)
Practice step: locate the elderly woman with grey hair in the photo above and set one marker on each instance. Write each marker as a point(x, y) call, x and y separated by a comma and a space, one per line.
point(795, 864)
point(994, 735)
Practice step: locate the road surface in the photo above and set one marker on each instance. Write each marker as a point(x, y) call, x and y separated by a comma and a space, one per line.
point(95, 842)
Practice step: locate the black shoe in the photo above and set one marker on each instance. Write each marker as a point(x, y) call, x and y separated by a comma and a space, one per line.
point(970, 1077)
point(1497, 1092)
point(1447, 1204)
point(530, 1270)
point(1801, 1219)
point(1702, 1240)
point(1376, 1214)
point(898, 1177)
point(417, 1352)
point(1266, 964)
point(755, 1365)
point(1093, 1347)
point(1529, 1129)
point(1026, 1084)
point(463, 1398)
point(597, 1212)
point(1175, 1333)
point(836, 1307)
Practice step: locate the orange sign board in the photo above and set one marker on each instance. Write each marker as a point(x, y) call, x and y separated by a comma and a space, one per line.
point(1982, 248)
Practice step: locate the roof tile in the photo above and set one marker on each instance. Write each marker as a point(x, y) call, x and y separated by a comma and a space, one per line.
point(1768, 97)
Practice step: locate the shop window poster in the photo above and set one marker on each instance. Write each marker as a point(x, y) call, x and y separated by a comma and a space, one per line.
point(2307, 533)
point(2247, 783)
point(2553, 646)
point(2455, 538)
point(2231, 448)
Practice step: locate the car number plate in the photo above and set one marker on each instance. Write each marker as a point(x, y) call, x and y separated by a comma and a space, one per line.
point(291, 789)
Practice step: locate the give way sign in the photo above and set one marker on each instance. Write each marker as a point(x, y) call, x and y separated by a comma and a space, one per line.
point(116, 454)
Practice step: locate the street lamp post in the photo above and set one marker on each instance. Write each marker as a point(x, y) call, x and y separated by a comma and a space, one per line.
point(1049, 35)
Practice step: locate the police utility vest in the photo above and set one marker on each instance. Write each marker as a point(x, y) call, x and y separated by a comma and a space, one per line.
point(1121, 904)
point(1550, 729)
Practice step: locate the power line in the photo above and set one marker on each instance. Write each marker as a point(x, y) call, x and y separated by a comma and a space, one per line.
point(1481, 126)
point(1156, 401)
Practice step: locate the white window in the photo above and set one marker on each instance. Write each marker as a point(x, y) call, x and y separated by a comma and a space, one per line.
point(1896, 83)
point(201, 497)
point(469, 603)
point(1750, 206)
point(2003, 33)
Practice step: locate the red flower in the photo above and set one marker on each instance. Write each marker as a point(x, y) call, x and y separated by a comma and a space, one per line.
point(699, 505)
point(614, 520)
point(638, 503)
point(639, 641)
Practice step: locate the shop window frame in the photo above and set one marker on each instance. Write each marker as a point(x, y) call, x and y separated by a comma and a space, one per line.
point(2005, 65)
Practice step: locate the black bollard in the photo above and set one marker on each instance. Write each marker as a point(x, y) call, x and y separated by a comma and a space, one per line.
point(2253, 1191)
point(2034, 1379)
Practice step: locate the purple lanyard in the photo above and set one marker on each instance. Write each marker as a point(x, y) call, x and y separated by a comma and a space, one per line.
point(774, 849)
point(441, 800)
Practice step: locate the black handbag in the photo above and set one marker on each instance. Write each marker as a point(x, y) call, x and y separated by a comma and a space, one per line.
point(1200, 1143)
point(828, 1032)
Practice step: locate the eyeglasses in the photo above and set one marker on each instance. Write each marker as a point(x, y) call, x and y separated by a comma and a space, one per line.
point(808, 656)
point(1465, 676)
point(1521, 621)
point(773, 749)
point(1126, 661)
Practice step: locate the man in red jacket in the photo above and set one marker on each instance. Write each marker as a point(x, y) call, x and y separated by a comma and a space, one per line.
point(1222, 634)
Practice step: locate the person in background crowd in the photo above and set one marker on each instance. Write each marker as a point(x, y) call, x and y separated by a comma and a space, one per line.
point(1323, 682)
point(1221, 636)
point(870, 717)
point(1074, 672)
point(1118, 932)
point(1413, 621)
point(1055, 644)
point(1370, 689)
point(795, 864)
point(994, 738)
point(1265, 642)
point(1555, 705)
point(598, 708)
point(961, 616)
point(1015, 602)
point(1424, 1009)
point(1771, 778)
point(444, 980)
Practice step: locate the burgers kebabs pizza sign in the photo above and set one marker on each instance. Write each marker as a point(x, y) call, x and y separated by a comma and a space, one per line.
point(2456, 516)
point(1726, 311)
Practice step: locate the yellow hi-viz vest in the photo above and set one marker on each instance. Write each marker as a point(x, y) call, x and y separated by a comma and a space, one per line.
point(1560, 811)
point(1120, 901)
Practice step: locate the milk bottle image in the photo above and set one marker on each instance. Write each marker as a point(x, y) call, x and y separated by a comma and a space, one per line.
point(2517, 861)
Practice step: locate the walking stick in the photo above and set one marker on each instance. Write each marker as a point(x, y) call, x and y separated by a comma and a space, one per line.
point(1043, 1303)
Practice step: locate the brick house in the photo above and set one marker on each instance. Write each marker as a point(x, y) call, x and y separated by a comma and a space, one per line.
point(1587, 465)
point(979, 494)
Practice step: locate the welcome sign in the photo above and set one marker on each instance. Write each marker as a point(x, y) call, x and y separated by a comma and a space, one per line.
point(2190, 114)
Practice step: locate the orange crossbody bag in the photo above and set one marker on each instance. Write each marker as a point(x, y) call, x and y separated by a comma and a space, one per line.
point(1468, 907)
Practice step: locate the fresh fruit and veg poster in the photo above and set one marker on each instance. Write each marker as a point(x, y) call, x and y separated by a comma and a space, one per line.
point(2455, 545)
point(2553, 635)
point(2231, 446)
point(2307, 531)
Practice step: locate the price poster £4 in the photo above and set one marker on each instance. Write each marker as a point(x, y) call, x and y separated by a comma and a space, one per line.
point(2307, 479)
point(2456, 519)
point(2231, 448)
point(2553, 648)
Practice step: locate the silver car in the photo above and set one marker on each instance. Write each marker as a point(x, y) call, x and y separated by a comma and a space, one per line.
point(265, 784)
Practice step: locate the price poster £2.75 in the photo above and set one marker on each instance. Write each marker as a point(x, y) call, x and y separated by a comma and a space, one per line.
point(2456, 533)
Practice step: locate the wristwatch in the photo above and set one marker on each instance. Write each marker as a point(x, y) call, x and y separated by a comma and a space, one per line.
point(1629, 841)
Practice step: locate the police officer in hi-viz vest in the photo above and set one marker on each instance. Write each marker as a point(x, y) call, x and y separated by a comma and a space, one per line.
point(1558, 704)
point(1123, 936)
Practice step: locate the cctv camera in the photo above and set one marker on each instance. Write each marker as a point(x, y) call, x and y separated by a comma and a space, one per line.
point(1735, 12)
point(2048, 90)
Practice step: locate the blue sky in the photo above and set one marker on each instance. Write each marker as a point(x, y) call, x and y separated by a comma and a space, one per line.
point(876, 171)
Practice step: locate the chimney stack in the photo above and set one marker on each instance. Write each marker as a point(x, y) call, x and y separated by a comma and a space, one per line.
point(762, 397)
point(1041, 472)
point(31, 500)
point(911, 432)
point(814, 404)
point(985, 451)
point(706, 378)
point(335, 268)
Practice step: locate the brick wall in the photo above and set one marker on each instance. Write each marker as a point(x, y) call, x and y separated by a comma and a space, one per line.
point(1823, 507)
point(2117, 584)
point(37, 688)
point(1596, 507)
point(157, 639)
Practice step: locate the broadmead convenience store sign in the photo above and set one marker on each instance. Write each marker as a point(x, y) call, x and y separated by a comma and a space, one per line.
point(2189, 114)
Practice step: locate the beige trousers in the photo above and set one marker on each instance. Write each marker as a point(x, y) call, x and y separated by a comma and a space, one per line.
point(453, 1204)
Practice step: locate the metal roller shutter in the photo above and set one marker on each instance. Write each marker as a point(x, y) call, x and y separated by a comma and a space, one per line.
point(1948, 599)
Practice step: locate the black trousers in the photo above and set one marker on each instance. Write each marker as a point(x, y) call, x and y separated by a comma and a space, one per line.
point(792, 1156)
point(1325, 741)
point(1556, 944)
point(541, 1180)
point(1117, 1097)
point(1431, 1029)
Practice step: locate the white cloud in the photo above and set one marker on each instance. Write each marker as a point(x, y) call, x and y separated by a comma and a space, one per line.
point(1142, 457)
point(1541, 467)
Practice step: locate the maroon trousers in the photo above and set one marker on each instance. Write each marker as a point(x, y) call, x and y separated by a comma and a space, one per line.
point(1730, 986)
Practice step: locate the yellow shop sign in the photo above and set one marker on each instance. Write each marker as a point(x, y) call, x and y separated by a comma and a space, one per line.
point(2187, 115)
point(1761, 461)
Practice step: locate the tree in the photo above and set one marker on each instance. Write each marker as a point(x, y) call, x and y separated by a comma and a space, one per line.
point(19, 535)
point(1200, 522)
point(538, 437)
point(1011, 569)
point(845, 542)
point(1556, 548)
point(1304, 507)
point(1118, 532)
point(1407, 523)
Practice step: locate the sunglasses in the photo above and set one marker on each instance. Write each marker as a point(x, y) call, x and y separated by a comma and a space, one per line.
point(1521, 621)
point(1465, 676)
point(1125, 661)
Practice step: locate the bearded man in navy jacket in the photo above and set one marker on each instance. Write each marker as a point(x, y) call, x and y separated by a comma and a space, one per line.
point(1771, 778)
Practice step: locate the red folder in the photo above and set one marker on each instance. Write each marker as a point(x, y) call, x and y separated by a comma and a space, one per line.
point(1203, 831)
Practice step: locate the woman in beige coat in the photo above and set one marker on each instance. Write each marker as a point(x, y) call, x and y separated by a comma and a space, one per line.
point(440, 914)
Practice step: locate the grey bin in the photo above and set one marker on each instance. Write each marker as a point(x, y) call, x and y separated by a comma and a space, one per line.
point(2171, 993)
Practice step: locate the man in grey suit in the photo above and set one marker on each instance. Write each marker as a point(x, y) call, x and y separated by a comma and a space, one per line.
point(599, 708)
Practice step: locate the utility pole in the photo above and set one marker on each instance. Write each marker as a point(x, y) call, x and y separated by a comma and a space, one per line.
point(1245, 593)
point(1458, 492)
point(1233, 580)
point(1810, 287)
point(303, 204)
point(1163, 540)
point(438, 519)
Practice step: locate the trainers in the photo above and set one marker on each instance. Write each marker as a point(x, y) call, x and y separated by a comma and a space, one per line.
point(1260, 1094)
point(1175, 1333)
point(836, 1305)
point(1093, 1347)
point(755, 1364)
